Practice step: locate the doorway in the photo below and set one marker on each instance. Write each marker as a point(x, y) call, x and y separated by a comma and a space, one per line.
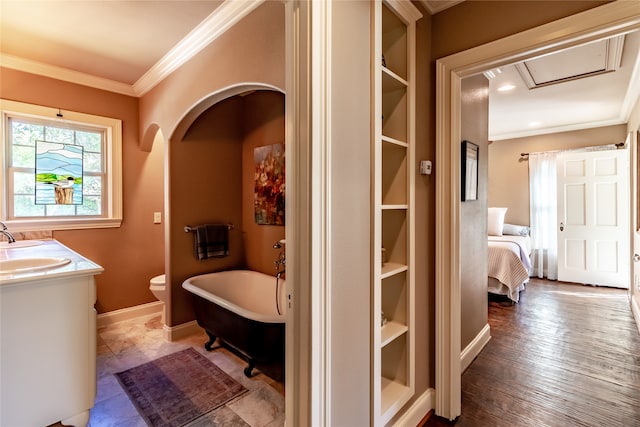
point(606, 21)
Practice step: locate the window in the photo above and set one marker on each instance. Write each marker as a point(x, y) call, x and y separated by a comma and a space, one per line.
point(62, 170)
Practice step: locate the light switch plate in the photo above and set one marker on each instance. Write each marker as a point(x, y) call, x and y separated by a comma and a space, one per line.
point(157, 217)
point(425, 167)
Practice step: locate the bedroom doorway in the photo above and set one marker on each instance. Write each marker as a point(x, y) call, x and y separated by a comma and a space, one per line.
point(604, 21)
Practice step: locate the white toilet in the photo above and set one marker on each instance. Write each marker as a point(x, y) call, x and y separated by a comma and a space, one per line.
point(158, 288)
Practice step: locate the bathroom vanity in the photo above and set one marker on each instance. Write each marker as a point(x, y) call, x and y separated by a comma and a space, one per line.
point(47, 335)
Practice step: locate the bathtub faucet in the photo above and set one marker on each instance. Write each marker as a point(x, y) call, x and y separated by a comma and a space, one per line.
point(6, 233)
point(281, 261)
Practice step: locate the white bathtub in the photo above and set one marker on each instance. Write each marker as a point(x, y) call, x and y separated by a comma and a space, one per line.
point(239, 307)
point(249, 294)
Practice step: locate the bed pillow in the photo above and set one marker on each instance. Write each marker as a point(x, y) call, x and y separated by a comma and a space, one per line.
point(495, 221)
point(515, 230)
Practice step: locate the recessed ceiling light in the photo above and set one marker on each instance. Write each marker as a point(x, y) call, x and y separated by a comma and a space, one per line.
point(534, 124)
point(506, 87)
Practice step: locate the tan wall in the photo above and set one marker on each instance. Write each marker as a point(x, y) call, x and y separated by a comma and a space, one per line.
point(425, 213)
point(211, 175)
point(250, 51)
point(133, 253)
point(205, 182)
point(473, 23)
point(466, 25)
point(263, 125)
point(509, 176)
point(473, 214)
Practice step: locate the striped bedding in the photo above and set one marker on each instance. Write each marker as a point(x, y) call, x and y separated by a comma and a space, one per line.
point(509, 263)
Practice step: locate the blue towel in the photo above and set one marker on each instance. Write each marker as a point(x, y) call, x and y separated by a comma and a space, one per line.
point(211, 241)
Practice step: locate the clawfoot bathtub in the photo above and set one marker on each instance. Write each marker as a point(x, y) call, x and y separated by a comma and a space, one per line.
point(246, 313)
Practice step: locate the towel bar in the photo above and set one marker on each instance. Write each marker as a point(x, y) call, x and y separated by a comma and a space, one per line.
point(189, 229)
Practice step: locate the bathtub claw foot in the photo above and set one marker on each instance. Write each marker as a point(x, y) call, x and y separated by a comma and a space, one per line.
point(209, 344)
point(248, 370)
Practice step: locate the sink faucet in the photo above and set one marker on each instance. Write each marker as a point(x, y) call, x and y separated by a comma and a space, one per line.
point(6, 233)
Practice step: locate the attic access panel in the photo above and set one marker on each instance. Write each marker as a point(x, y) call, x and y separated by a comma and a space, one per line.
point(590, 59)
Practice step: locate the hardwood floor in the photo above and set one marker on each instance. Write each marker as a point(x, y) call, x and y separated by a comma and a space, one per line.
point(566, 355)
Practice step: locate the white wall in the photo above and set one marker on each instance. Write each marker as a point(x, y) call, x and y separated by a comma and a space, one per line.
point(350, 213)
point(633, 126)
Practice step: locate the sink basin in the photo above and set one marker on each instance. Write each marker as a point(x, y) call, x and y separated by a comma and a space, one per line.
point(26, 265)
point(20, 244)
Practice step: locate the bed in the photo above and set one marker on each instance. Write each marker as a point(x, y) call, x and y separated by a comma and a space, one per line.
point(509, 264)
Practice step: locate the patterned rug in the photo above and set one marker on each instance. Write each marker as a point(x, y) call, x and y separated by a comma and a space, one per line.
point(178, 388)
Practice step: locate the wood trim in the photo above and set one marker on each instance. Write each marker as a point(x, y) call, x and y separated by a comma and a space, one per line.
point(601, 22)
point(320, 200)
point(64, 74)
point(221, 19)
point(175, 333)
point(418, 411)
point(111, 317)
point(475, 347)
point(300, 378)
point(635, 309)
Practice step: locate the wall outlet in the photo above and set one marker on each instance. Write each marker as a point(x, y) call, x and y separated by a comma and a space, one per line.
point(157, 217)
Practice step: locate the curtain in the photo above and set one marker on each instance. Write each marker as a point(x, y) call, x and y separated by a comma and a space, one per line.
point(543, 213)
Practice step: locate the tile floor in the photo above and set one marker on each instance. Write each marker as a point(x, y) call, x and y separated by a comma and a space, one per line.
point(130, 343)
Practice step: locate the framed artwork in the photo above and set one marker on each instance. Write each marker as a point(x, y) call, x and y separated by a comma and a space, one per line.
point(268, 199)
point(469, 169)
point(58, 173)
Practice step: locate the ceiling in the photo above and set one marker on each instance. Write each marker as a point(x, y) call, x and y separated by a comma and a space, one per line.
point(129, 46)
point(588, 86)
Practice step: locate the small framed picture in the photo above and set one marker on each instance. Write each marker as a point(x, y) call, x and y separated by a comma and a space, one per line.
point(469, 171)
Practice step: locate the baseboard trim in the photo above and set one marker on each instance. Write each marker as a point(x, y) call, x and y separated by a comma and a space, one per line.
point(635, 309)
point(475, 347)
point(111, 317)
point(174, 333)
point(417, 410)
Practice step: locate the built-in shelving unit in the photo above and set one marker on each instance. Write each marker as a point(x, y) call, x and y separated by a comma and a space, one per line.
point(393, 207)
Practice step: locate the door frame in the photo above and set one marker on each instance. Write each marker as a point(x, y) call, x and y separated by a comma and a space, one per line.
point(601, 22)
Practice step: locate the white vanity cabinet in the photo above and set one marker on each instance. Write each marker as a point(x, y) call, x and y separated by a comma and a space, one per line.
point(48, 340)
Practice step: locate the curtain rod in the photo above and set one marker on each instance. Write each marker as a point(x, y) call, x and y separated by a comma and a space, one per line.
point(525, 156)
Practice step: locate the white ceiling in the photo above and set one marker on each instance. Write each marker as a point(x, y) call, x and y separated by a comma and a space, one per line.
point(115, 40)
point(128, 46)
point(601, 96)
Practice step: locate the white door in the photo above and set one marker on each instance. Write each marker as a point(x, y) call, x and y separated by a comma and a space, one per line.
point(633, 141)
point(593, 216)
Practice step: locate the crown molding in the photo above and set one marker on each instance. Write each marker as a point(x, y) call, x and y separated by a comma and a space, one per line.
point(407, 9)
point(220, 20)
point(558, 129)
point(64, 74)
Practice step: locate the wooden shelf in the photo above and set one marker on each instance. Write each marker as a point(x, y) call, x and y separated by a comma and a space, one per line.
point(393, 396)
point(393, 142)
point(394, 207)
point(391, 268)
point(392, 82)
point(391, 331)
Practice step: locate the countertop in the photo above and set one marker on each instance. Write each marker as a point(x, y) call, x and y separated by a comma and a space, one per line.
point(79, 265)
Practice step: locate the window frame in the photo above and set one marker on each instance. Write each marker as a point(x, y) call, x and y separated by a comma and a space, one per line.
point(112, 190)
